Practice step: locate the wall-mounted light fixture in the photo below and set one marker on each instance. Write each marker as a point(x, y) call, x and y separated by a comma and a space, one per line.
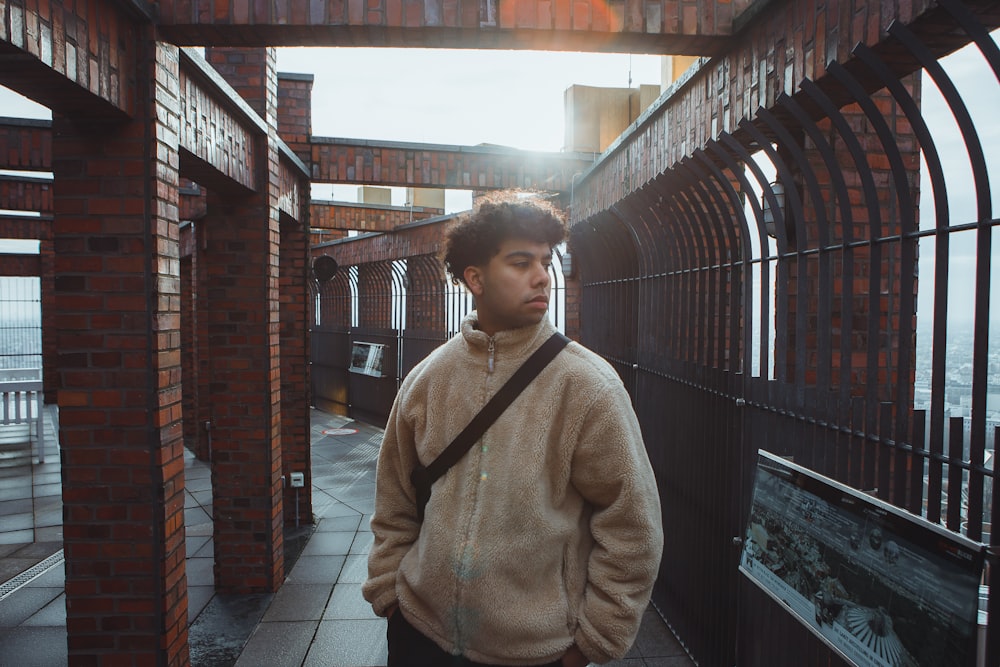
point(779, 195)
point(324, 268)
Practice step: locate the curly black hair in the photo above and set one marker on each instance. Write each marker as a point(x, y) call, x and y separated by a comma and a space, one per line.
point(475, 237)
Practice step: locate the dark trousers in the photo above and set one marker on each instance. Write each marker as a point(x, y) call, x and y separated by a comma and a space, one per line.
point(409, 648)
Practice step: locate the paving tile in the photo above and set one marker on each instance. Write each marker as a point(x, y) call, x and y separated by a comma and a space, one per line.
point(49, 533)
point(34, 647)
point(655, 639)
point(218, 634)
point(329, 544)
point(334, 508)
point(363, 543)
point(298, 602)
point(52, 615)
point(23, 603)
point(355, 570)
point(11, 567)
point(198, 599)
point(347, 603)
point(200, 571)
point(316, 570)
point(278, 644)
point(348, 644)
point(11, 492)
point(54, 577)
point(195, 542)
point(339, 523)
point(20, 536)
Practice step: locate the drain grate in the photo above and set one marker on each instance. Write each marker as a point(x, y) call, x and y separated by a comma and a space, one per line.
point(32, 573)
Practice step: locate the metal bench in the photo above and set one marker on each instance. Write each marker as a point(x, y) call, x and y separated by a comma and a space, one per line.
point(21, 403)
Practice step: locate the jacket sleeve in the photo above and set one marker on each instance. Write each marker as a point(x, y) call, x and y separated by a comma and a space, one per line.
point(611, 470)
point(394, 523)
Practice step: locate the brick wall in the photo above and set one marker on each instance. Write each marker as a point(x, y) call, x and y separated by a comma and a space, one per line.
point(116, 301)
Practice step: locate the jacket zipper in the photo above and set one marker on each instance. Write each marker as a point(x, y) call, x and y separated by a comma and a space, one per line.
point(492, 350)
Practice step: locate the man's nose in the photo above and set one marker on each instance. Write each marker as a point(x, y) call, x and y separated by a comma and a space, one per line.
point(541, 275)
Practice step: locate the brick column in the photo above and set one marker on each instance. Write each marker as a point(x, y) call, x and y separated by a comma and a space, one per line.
point(251, 72)
point(242, 320)
point(116, 297)
point(295, 113)
point(189, 339)
point(50, 353)
point(295, 377)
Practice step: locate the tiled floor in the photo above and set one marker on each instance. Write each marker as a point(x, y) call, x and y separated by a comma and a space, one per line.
point(318, 617)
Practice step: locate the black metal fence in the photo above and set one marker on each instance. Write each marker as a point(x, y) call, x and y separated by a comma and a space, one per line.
point(815, 283)
point(20, 323)
point(763, 294)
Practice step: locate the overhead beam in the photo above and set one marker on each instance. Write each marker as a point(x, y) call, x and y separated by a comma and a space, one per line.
point(346, 216)
point(362, 162)
point(625, 26)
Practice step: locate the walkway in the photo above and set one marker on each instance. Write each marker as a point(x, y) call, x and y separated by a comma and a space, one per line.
point(317, 618)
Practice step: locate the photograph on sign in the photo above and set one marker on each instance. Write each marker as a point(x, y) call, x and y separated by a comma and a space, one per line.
point(366, 359)
point(880, 586)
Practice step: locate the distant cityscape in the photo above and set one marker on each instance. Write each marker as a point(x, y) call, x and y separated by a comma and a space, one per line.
point(958, 380)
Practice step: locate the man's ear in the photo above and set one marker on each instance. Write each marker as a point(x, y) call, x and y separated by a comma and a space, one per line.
point(474, 279)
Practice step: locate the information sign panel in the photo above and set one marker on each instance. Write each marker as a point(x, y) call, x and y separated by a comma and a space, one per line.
point(880, 586)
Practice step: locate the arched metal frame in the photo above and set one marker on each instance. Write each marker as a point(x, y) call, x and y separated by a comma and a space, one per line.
point(668, 294)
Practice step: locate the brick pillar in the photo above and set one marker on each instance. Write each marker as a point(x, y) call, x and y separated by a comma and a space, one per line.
point(203, 352)
point(295, 113)
point(50, 353)
point(295, 379)
point(242, 323)
point(189, 338)
point(240, 320)
point(116, 297)
point(244, 70)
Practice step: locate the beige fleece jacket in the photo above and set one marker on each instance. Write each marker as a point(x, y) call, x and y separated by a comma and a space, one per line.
point(546, 533)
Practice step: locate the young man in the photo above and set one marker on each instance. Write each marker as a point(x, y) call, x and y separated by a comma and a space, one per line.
point(540, 546)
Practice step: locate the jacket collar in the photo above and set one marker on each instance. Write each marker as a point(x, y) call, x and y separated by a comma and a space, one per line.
point(513, 343)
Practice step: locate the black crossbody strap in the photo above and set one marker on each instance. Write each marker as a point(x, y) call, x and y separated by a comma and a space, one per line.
point(423, 478)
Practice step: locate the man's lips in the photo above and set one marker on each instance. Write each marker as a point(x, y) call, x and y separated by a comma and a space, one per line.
point(539, 301)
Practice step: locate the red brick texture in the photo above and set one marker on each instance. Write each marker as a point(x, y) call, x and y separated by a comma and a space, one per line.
point(117, 302)
point(295, 113)
point(435, 166)
point(340, 216)
point(79, 57)
point(26, 145)
point(684, 27)
point(241, 320)
point(295, 305)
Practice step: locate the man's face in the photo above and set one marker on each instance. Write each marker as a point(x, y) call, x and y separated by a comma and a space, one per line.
point(512, 289)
